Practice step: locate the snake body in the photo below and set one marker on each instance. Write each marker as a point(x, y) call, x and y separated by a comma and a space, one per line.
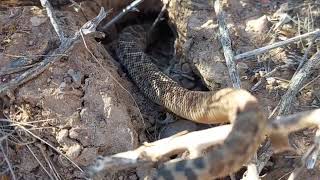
point(227, 105)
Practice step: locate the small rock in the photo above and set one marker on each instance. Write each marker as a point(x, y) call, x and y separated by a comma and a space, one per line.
point(133, 177)
point(63, 161)
point(186, 68)
point(62, 136)
point(74, 151)
point(176, 127)
point(76, 77)
point(63, 86)
point(259, 25)
point(37, 21)
point(74, 133)
point(242, 67)
point(31, 43)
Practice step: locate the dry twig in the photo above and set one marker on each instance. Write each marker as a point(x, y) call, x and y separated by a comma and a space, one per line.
point(126, 10)
point(226, 44)
point(8, 162)
point(53, 18)
point(164, 148)
point(295, 85)
point(41, 165)
point(264, 49)
point(159, 150)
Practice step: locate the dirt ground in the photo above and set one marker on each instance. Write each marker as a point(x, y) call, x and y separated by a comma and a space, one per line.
point(85, 106)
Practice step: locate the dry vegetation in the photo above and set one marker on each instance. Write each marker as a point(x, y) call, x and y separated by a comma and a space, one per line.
point(65, 100)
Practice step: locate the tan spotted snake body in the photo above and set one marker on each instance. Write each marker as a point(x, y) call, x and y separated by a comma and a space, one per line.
point(227, 105)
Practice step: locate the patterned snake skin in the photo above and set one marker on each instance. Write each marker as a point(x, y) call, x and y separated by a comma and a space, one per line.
point(227, 105)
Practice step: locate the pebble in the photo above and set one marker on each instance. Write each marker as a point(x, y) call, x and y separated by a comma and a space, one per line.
point(133, 177)
point(62, 136)
point(186, 68)
point(242, 68)
point(31, 43)
point(37, 21)
point(176, 127)
point(74, 151)
point(76, 77)
point(259, 25)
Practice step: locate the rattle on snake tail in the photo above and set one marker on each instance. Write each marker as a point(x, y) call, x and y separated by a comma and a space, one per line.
point(236, 106)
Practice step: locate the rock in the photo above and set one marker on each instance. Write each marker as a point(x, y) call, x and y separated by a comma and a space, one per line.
point(74, 151)
point(176, 127)
point(242, 68)
point(186, 68)
point(133, 177)
point(70, 146)
point(213, 73)
point(76, 77)
point(62, 136)
point(37, 21)
point(259, 25)
point(31, 43)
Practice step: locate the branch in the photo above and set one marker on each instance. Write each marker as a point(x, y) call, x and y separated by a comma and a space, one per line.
point(162, 149)
point(295, 122)
point(287, 100)
point(126, 10)
point(226, 44)
point(53, 19)
point(296, 83)
point(264, 49)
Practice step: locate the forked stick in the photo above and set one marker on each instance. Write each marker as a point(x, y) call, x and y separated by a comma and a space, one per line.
point(201, 140)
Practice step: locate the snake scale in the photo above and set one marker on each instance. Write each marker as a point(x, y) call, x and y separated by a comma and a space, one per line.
point(227, 105)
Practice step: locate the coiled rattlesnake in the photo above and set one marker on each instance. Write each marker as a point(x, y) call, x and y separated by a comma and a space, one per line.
point(227, 105)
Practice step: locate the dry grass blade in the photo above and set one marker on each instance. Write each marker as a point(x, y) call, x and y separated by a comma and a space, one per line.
point(51, 146)
point(8, 162)
point(53, 169)
point(267, 48)
point(42, 166)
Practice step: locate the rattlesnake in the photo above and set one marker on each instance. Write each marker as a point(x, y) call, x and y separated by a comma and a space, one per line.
point(227, 105)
